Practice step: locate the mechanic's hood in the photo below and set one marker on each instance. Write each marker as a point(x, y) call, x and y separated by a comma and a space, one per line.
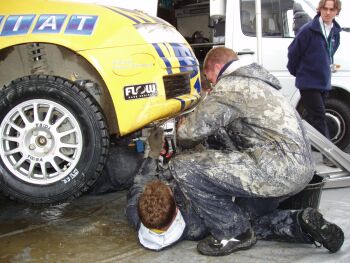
point(251, 70)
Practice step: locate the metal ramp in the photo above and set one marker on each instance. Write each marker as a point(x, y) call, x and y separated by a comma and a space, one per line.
point(335, 177)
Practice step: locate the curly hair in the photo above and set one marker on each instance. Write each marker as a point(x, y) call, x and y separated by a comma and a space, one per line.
point(337, 5)
point(156, 205)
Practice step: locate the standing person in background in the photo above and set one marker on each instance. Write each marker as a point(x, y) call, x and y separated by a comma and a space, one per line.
point(310, 60)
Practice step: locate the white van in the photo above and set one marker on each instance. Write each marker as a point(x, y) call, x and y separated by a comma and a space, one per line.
point(232, 23)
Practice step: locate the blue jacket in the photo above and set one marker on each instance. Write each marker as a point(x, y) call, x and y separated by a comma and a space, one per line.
point(308, 56)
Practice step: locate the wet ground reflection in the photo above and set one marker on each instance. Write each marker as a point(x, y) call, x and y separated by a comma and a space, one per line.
point(94, 229)
point(89, 229)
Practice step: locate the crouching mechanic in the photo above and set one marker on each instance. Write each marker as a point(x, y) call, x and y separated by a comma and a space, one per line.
point(256, 152)
point(163, 216)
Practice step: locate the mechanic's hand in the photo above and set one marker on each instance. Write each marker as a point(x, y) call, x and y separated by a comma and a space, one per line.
point(155, 142)
point(166, 153)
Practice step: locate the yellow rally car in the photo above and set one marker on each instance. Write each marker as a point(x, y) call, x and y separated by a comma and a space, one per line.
point(71, 75)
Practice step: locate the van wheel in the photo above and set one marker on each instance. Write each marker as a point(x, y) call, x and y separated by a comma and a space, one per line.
point(53, 140)
point(338, 120)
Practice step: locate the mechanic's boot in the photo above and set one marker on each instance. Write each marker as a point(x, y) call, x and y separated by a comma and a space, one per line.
point(321, 231)
point(212, 247)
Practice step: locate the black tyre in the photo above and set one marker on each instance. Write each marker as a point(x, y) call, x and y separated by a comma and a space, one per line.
point(338, 120)
point(53, 140)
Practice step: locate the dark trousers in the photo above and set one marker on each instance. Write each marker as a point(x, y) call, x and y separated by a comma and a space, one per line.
point(314, 102)
point(225, 219)
point(270, 223)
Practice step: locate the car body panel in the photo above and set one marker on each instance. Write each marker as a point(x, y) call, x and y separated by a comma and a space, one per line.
point(131, 51)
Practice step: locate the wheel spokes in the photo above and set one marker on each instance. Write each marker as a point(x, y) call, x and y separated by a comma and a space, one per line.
point(41, 141)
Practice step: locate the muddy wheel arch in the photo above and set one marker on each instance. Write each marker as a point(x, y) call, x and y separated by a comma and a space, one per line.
point(50, 59)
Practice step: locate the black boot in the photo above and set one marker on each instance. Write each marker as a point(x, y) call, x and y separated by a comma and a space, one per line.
point(212, 247)
point(319, 230)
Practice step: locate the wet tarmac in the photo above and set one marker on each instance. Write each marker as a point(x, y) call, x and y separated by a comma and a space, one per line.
point(95, 229)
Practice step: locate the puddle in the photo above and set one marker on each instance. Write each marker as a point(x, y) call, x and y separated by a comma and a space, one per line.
point(89, 229)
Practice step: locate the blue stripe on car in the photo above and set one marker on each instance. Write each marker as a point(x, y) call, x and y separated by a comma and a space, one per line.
point(183, 104)
point(161, 54)
point(197, 85)
point(187, 62)
point(125, 15)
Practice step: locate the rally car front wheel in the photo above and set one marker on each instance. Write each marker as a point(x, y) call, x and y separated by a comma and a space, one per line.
point(53, 140)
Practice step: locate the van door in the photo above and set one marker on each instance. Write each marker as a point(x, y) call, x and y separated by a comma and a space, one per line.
point(277, 34)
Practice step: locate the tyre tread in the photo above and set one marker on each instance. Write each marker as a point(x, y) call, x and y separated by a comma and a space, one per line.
point(16, 87)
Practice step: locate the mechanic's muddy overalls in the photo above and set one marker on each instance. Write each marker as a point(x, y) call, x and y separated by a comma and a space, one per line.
point(263, 151)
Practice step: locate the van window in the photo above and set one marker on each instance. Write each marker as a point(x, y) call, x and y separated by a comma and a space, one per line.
point(277, 17)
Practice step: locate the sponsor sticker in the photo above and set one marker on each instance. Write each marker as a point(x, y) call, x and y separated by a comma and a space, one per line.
point(48, 23)
point(140, 91)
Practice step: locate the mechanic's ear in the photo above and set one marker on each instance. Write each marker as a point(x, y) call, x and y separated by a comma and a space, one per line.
point(155, 141)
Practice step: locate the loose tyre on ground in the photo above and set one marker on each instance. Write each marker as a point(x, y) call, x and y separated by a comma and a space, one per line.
point(53, 140)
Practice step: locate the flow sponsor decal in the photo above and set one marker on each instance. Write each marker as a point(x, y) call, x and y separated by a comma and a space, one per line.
point(48, 23)
point(140, 91)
